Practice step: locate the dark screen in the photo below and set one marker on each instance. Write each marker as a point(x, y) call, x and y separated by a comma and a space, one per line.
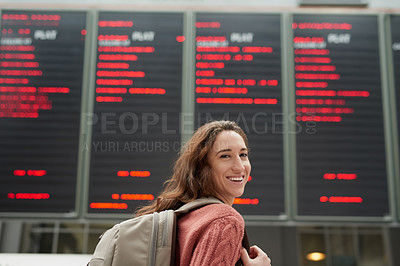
point(136, 133)
point(341, 164)
point(41, 69)
point(238, 78)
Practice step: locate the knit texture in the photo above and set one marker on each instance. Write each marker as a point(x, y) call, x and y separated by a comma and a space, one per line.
point(211, 235)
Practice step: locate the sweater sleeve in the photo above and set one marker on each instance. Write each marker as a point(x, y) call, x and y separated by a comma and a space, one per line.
point(220, 243)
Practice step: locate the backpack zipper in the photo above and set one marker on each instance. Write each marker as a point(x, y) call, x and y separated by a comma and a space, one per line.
point(165, 229)
point(153, 243)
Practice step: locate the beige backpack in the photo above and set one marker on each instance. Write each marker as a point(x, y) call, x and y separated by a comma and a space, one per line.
point(147, 240)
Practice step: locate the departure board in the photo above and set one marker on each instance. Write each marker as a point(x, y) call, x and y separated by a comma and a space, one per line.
point(41, 69)
point(238, 78)
point(395, 45)
point(136, 133)
point(341, 162)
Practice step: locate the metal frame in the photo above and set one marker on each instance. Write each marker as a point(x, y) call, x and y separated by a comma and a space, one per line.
point(333, 2)
point(387, 104)
point(289, 109)
point(392, 110)
point(188, 69)
point(87, 138)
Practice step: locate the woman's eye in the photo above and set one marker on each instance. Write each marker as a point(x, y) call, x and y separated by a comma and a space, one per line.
point(224, 156)
point(244, 155)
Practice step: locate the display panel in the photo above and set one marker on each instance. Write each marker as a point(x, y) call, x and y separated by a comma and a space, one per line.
point(136, 134)
point(238, 77)
point(41, 70)
point(341, 162)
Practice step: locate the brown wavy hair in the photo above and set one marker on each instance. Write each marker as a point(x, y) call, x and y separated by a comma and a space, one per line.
point(191, 178)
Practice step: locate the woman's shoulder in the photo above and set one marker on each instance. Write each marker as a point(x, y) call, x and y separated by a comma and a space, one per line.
point(212, 213)
point(221, 210)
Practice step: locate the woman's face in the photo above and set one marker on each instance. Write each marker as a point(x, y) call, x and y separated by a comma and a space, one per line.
point(230, 165)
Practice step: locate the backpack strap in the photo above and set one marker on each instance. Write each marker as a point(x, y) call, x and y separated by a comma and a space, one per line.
point(197, 203)
point(246, 245)
point(185, 209)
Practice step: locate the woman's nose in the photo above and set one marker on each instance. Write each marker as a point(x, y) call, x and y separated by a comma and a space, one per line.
point(238, 164)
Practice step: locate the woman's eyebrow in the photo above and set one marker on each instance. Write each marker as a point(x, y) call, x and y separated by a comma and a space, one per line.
point(224, 150)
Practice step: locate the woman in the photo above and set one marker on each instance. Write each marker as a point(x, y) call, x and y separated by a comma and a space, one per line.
point(213, 163)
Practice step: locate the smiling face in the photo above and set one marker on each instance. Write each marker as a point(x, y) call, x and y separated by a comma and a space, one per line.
point(230, 165)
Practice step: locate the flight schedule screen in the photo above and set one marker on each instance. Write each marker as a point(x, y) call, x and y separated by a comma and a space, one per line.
point(137, 104)
point(41, 69)
point(341, 162)
point(238, 78)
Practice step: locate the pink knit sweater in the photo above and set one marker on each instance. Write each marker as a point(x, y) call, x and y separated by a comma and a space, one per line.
point(211, 235)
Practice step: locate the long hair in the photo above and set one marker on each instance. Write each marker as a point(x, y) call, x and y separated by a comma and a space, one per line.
point(192, 177)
